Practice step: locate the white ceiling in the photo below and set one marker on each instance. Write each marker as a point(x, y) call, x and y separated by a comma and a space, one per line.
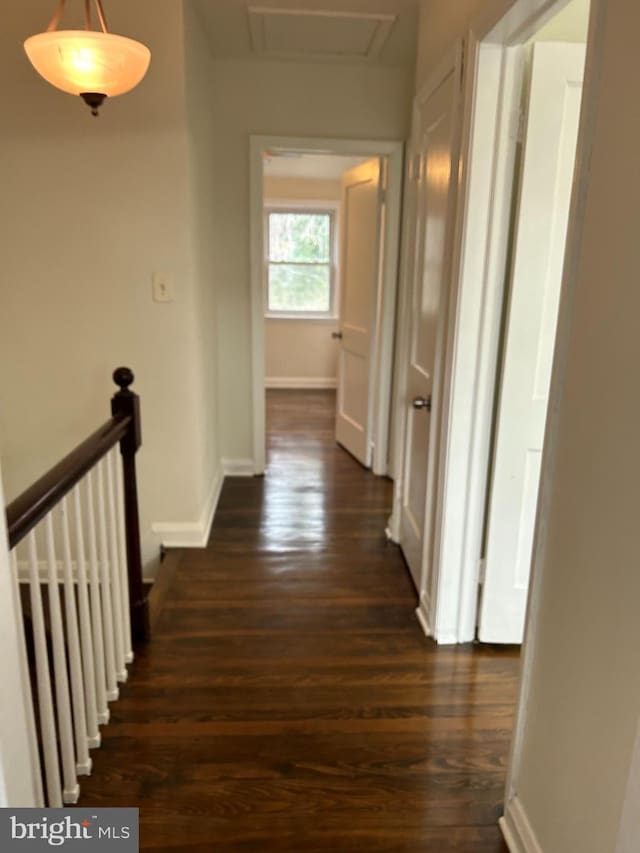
point(354, 31)
point(326, 167)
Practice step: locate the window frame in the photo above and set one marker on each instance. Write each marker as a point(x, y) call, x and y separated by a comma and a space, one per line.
point(330, 208)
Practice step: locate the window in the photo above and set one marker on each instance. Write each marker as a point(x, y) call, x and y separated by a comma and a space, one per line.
point(299, 262)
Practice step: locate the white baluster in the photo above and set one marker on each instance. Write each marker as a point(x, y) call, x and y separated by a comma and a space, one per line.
point(115, 577)
point(83, 762)
point(96, 608)
point(71, 790)
point(105, 588)
point(43, 677)
point(122, 543)
point(88, 654)
point(31, 723)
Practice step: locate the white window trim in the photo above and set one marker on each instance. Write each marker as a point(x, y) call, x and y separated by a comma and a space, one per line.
point(332, 207)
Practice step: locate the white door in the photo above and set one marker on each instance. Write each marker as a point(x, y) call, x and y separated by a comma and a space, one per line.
point(361, 220)
point(432, 169)
point(540, 236)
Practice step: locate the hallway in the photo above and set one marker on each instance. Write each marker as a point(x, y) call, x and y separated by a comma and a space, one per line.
point(288, 699)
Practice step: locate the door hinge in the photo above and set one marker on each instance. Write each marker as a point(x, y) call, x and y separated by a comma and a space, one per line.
point(482, 571)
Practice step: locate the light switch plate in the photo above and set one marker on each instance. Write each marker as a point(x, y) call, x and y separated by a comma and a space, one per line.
point(162, 288)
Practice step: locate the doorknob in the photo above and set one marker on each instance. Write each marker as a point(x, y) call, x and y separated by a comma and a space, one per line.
point(422, 403)
point(336, 335)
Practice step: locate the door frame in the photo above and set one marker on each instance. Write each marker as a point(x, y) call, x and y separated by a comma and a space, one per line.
point(493, 64)
point(384, 345)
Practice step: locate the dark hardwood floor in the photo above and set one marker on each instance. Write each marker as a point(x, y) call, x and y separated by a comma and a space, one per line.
point(289, 700)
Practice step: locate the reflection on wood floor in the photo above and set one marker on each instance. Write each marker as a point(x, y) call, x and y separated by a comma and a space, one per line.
point(289, 700)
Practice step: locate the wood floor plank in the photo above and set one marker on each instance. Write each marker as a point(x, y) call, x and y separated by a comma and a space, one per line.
point(288, 700)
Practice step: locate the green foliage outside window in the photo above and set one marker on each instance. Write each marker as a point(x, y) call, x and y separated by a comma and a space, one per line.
point(299, 275)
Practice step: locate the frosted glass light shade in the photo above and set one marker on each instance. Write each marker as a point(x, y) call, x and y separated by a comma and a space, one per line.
point(79, 61)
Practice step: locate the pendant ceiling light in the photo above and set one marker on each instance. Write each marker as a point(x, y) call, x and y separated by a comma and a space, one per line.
point(93, 64)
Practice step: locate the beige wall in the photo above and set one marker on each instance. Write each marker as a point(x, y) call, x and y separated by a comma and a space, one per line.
point(89, 209)
point(584, 693)
point(281, 98)
point(300, 351)
point(278, 188)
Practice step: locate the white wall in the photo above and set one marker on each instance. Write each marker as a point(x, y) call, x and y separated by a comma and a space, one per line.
point(202, 128)
point(19, 784)
point(89, 209)
point(280, 98)
point(583, 703)
point(301, 353)
point(571, 24)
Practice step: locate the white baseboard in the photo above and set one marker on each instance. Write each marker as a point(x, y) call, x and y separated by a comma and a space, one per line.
point(426, 617)
point(192, 534)
point(238, 467)
point(301, 382)
point(517, 831)
point(392, 530)
point(444, 639)
point(422, 615)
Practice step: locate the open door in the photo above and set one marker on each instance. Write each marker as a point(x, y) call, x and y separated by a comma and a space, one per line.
point(361, 250)
point(540, 236)
point(435, 141)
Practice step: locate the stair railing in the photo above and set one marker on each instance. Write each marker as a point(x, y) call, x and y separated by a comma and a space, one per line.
point(76, 532)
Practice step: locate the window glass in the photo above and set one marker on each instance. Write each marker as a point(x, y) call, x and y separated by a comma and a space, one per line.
point(299, 274)
point(300, 237)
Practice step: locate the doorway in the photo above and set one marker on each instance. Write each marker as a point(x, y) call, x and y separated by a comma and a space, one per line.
point(319, 259)
point(325, 233)
point(551, 96)
point(524, 82)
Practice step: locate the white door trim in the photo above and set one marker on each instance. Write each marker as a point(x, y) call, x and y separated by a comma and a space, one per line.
point(476, 316)
point(394, 151)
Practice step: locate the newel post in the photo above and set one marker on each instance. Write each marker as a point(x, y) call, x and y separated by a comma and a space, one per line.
point(125, 402)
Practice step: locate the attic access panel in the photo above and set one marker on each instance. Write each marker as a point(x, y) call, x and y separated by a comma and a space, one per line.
point(328, 35)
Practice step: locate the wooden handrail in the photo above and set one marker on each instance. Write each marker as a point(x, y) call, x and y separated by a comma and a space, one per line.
point(24, 513)
point(39, 499)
